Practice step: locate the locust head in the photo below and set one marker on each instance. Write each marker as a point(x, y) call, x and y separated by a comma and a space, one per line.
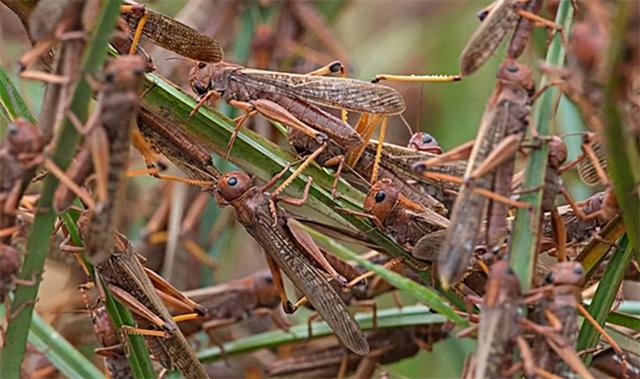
point(512, 73)
point(566, 273)
point(204, 77)
point(381, 199)
point(125, 72)
point(423, 141)
point(266, 292)
point(557, 152)
point(23, 137)
point(233, 185)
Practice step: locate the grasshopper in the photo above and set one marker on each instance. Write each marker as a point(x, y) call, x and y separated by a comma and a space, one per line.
point(557, 318)
point(498, 330)
point(293, 99)
point(387, 346)
point(501, 330)
point(19, 156)
point(503, 16)
point(111, 348)
point(132, 285)
point(419, 232)
point(289, 248)
point(170, 34)
point(234, 300)
point(180, 148)
point(490, 166)
point(391, 166)
point(110, 137)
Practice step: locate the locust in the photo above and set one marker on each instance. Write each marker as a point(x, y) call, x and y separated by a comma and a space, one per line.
point(387, 346)
point(233, 301)
point(391, 162)
point(109, 138)
point(132, 285)
point(489, 172)
point(170, 34)
point(502, 329)
point(503, 17)
point(19, 156)
point(419, 232)
point(110, 345)
point(557, 321)
point(184, 152)
point(294, 100)
point(498, 330)
point(289, 248)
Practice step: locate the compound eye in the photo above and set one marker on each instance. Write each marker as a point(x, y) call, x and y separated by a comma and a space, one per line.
point(427, 138)
point(13, 130)
point(200, 89)
point(202, 65)
point(380, 196)
point(232, 181)
point(549, 278)
point(512, 68)
point(578, 270)
point(110, 77)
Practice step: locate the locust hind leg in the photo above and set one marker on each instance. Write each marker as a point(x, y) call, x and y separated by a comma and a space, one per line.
point(278, 283)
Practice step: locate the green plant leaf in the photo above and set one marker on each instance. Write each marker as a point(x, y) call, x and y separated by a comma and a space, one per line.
point(387, 318)
point(60, 352)
point(527, 223)
point(605, 296)
point(12, 105)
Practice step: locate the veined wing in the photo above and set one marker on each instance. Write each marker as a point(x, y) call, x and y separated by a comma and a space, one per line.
point(351, 94)
point(176, 36)
point(488, 36)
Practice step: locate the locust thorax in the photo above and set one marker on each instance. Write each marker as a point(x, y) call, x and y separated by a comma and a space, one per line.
point(503, 284)
point(557, 152)
point(423, 141)
point(23, 137)
point(381, 199)
point(124, 73)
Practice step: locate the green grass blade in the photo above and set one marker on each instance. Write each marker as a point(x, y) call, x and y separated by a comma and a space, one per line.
point(605, 296)
point(12, 105)
point(626, 320)
point(623, 152)
point(387, 318)
point(527, 223)
point(38, 242)
point(59, 351)
point(426, 294)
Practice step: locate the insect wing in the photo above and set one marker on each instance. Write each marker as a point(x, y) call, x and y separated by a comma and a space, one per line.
point(488, 36)
point(351, 94)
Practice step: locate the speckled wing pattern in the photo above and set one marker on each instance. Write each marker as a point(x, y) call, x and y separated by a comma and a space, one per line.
point(488, 36)
point(351, 94)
